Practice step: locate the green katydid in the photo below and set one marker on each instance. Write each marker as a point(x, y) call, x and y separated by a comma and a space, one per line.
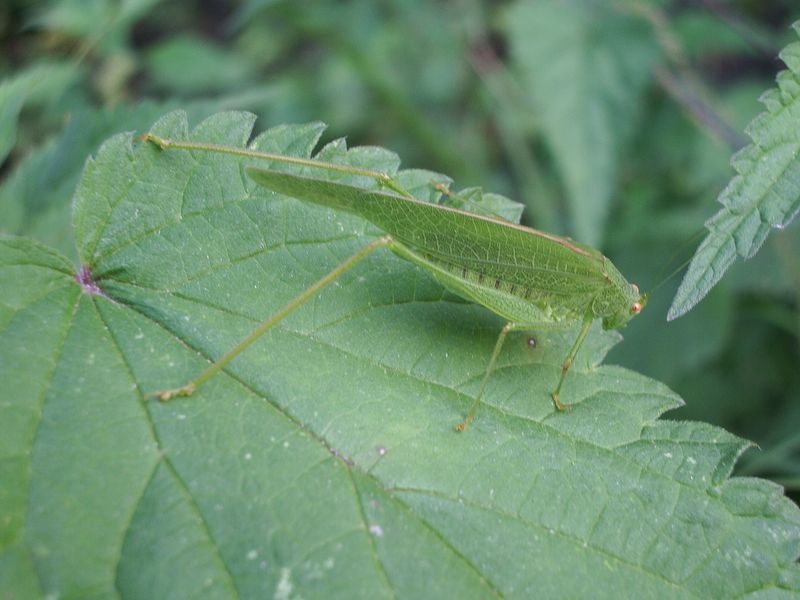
point(528, 277)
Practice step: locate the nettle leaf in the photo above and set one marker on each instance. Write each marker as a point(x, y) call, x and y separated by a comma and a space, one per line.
point(475, 200)
point(322, 463)
point(36, 196)
point(764, 194)
point(584, 66)
point(41, 83)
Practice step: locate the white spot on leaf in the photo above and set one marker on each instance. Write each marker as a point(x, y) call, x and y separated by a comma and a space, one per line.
point(284, 589)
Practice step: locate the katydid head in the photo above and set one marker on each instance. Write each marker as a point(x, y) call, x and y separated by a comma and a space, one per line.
point(638, 304)
point(631, 303)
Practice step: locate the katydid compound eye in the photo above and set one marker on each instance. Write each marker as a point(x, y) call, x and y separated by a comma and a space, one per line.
point(636, 289)
point(636, 308)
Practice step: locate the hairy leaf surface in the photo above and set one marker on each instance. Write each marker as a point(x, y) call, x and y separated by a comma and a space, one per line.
point(764, 194)
point(322, 463)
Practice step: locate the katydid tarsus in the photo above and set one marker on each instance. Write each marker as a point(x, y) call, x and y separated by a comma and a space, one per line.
point(530, 278)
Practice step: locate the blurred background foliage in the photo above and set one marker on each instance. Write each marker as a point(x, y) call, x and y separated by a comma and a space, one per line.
point(614, 121)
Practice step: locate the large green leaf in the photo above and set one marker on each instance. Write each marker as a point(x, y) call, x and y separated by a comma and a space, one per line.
point(584, 66)
point(764, 194)
point(323, 462)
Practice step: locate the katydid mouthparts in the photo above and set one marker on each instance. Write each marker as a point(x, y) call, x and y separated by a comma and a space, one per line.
point(529, 278)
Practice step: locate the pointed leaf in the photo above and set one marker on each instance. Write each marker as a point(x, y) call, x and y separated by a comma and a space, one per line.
point(764, 194)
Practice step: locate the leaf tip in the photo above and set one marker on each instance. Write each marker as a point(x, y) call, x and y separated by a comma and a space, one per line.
point(675, 311)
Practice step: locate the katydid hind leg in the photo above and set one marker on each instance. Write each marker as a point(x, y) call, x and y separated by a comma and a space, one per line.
point(275, 318)
point(565, 367)
point(498, 346)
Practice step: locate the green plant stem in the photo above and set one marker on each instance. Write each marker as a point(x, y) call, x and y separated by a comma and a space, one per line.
point(685, 86)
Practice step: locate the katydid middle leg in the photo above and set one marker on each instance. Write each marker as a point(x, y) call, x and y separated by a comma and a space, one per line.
point(587, 323)
point(508, 328)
